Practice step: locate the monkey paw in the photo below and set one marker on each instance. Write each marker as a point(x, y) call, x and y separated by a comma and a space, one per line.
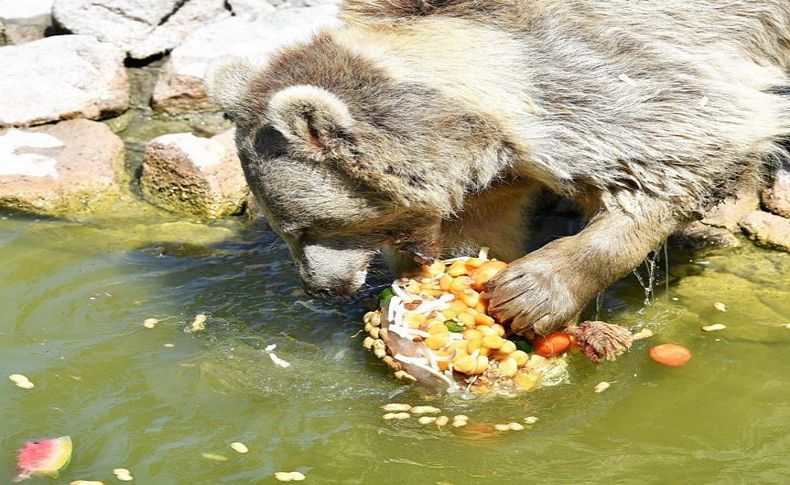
point(539, 292)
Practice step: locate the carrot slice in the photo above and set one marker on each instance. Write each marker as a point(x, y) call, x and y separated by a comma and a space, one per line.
point(552, 344)
point(672, 355)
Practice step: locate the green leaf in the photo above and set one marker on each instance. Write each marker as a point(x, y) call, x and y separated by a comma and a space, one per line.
point(454, 326)
point(523, 344)
point(385, 296)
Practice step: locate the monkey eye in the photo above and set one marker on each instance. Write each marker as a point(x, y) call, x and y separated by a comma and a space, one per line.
point(270, 143)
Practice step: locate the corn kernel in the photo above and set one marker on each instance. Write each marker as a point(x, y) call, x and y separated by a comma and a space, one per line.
point(500, 330)
point(470, 298)
point(508, 347)
point(436, 342)
point(444, 282)
point(483, 319)
point(486, 331)
point(464, 364)
point(472, 334)
point(521, 357)
point(467, 318)
point(508, 367)
point(438, 329)
point(474, 263)
point(458, 268)
point(458, 306)
point(460, 284)
point(493, 341)
point(482, 305)
point(474, 345)
point(481, 364)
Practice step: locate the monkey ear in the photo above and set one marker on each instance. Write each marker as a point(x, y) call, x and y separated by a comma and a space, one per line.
point(226, 81)
point(313, 118)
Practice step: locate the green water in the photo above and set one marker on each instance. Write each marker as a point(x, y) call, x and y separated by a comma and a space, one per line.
point(74, 296)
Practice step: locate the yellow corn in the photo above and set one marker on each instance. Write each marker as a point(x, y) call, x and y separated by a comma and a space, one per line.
point(444, 282)
point(500, 330)
point(474, 345)
point(472, 334)
point(483, 319)
point(486, 331)
point(470, 298)
point(521, 357)
point(438, 328)
point(474, 263)
point(481, 364)
point(458, 268)
point(436, 342)
point(467, 318)
point(508, 367)
point(493, 341)
point(460, 284)
point(525, 382)
point(508, 347)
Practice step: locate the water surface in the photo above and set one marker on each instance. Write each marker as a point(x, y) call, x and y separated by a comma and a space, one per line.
point(74, 296)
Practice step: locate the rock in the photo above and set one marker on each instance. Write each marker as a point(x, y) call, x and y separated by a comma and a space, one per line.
point(194, 176)
point(730, 212)
point(698, 235)
point(24, 20)
point(142, 28)
point(180, 84)
point(768, 230)
point(777, 197)
point(72, 166)
point(61, 77)
point(248, 7)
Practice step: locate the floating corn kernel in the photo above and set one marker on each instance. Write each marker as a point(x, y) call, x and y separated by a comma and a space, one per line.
point(396, 416)
point(515, 427)
point(531, 419)
point(720, 306)
point(150, 322)
point(442, 421)
point(425, 410)
point(508, 367)
point(368, 343)
point(713, 328)
point(396, 407)
point(427, 419)
point(460, 421)
point(86, 482)
point(214, 457)
point(642, 334)
point(169, 346)
point(239, 447)
point(21, 381)
point(289, 476)
point(786, 326)
point(502, 427)
point(123, 474)
point(199, 323)
point(602, 386)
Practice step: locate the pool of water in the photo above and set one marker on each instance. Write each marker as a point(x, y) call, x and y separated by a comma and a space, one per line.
point(74, 296)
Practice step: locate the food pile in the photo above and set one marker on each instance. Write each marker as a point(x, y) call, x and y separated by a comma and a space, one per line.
point(433, 327)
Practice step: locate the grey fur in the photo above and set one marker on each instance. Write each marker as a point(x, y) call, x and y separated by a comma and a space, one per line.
point(646, 113)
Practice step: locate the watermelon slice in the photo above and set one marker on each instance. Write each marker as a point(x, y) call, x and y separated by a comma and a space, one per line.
point(43, 458)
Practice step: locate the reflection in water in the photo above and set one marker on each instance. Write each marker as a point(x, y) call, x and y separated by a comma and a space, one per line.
point(75, 295)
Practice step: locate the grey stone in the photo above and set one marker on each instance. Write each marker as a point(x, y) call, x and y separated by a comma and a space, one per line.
point(24, 20)
point(142, 28)
point(69, 167)
point(247, 7)
point(777, 197)
point(768, 230)
point(194, 176)
point(61, 77)
point(256, 37)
